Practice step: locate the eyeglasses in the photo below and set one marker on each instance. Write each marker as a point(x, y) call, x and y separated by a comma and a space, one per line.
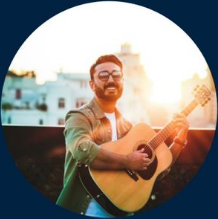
point(105, 75)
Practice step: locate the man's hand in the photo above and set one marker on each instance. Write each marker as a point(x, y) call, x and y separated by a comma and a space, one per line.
point(137, 160)
point(182, 126)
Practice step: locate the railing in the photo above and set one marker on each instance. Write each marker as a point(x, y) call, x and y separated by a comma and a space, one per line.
point(39, 153)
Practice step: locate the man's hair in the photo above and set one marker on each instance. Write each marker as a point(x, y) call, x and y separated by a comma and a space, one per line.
point(103, 59)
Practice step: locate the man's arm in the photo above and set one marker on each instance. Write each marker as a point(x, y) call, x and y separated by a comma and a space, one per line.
point(180, 141)
point(182, 125)
point(80, 143)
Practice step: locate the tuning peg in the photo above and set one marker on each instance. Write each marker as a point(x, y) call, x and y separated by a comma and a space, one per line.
point(202, 104)
point(208, 99)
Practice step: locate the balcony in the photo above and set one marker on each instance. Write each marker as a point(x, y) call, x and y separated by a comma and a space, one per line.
point(39, 153)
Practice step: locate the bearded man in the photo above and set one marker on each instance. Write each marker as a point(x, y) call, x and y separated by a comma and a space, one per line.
point(94, 124)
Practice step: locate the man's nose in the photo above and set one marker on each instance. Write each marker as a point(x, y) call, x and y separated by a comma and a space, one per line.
point(110, 78)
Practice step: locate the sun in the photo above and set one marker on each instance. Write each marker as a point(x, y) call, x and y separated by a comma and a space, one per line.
point(165, 92)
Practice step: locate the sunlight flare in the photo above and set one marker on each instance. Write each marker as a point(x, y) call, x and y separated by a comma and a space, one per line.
point(164, 92)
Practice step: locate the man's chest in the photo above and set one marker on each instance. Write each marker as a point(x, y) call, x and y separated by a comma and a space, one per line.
point(102, 130)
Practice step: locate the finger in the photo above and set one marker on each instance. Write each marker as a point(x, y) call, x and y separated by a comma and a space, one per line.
point(182, 125)
point(181, 122)
point(141, 150)
point(147, 160)
point(146, 155)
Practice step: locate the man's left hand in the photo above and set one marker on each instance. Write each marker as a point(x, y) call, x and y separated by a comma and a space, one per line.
point(182, 125)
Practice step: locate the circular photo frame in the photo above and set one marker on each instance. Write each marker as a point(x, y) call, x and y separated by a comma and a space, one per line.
point(163, 74)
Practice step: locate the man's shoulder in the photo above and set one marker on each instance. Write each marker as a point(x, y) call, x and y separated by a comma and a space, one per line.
point(84, 111)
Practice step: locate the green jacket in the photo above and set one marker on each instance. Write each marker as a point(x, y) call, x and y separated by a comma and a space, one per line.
point(86, 129)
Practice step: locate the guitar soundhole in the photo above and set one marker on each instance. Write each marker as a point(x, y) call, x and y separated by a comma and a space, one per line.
point(147, 174)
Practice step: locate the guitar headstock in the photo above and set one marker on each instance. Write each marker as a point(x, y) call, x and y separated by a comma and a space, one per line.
point(202, 94)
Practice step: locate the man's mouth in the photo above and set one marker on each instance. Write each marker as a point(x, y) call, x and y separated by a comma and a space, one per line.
point(111, 88)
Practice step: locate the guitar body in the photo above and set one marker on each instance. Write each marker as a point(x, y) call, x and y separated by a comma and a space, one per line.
point(127, 190)
point(121, 191)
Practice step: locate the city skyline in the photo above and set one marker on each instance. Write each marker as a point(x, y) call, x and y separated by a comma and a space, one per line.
point(23, 97)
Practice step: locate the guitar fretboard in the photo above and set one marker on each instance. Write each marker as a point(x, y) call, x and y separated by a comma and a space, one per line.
point(163, 134)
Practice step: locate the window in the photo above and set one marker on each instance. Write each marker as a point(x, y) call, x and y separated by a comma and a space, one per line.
point(18, 94)
point(61, 121)
point(61, 103)
point(9, 120)
point(80, 102)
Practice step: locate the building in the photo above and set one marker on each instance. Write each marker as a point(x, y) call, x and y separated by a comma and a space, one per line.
point(26, 103)
point(137, 86)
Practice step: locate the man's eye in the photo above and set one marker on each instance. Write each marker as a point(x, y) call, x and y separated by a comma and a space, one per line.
point(103, 77)
point(116, 77)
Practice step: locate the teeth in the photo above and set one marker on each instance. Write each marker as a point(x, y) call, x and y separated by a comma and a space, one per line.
point(111, 88)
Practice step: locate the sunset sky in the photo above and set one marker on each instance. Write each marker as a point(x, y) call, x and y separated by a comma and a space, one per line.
point(73, 39)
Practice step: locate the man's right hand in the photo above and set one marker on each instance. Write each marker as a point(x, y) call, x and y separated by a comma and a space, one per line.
point(137, 160)
point(107, 160)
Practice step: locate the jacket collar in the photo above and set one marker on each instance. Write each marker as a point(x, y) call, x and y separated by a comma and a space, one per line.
point(98, 112)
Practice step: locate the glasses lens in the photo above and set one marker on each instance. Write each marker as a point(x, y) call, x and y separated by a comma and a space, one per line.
point(116, 75)
point(104, 75)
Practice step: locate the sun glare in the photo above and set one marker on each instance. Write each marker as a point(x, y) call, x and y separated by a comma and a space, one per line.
point(164, 92)
point(65, 42)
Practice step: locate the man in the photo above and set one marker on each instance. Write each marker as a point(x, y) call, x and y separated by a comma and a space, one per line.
point(96, 123)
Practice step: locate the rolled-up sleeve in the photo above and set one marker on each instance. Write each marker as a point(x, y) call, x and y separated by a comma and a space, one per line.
point(78, 138)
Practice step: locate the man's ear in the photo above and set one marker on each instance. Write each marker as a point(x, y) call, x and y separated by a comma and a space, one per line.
point(92, 85)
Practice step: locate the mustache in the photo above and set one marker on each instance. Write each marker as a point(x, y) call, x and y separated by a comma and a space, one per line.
point(111, 84)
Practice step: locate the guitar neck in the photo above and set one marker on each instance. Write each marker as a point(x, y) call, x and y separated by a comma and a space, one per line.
point(163, 134)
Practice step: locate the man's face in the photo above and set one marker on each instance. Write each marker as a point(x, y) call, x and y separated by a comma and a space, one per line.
point(112, 88)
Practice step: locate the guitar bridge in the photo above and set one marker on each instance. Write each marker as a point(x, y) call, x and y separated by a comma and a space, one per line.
point(132, 174)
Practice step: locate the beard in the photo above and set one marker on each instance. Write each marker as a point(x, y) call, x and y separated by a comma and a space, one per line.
point(101, 93)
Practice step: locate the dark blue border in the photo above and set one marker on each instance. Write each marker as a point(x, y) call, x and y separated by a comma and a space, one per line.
point(18, 19)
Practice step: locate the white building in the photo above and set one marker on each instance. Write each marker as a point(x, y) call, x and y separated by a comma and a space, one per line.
point(70, 91)
point(26, 103)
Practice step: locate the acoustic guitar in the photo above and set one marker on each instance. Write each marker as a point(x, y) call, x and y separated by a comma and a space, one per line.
point(123, 191)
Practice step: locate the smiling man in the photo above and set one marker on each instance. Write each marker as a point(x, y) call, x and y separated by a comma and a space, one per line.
point(96, 123)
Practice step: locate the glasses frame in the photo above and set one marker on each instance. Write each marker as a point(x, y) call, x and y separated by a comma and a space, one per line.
point(110, 74)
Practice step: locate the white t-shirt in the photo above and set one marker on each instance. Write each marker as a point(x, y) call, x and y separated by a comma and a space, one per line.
point(112, 119)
